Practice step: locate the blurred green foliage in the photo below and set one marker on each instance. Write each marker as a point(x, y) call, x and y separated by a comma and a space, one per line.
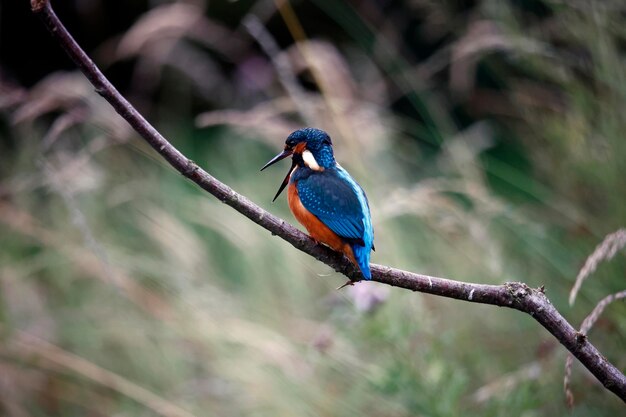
point(487, 134)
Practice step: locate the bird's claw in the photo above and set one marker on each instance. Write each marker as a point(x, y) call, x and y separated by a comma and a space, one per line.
point(348, 283)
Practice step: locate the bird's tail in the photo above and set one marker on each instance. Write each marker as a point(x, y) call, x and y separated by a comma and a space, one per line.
point(362, 256)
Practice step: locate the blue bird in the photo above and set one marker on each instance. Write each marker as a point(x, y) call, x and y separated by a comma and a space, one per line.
point(325, 199)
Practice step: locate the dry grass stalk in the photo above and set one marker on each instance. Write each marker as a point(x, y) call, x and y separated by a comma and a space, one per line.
point(84, 260)
point(283, 67)
point(587, 324)
point(26, 345)
point(603, 252)
point(507, 383)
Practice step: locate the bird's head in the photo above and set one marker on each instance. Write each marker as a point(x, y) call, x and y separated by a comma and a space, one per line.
point(309, 147)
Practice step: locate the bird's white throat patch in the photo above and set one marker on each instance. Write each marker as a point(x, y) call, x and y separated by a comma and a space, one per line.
point(309, 161)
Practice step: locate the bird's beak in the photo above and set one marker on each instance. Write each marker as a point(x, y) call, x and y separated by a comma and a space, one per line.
point(284, 154)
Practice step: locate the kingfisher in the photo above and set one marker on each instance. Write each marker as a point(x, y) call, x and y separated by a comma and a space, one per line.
point(325, 199)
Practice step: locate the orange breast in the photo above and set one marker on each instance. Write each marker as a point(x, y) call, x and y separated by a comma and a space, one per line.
point(318, 230)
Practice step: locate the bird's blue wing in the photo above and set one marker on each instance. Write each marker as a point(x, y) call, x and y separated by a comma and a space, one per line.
point(334, 201)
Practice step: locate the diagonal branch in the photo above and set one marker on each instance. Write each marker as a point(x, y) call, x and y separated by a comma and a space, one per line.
point(512, 294)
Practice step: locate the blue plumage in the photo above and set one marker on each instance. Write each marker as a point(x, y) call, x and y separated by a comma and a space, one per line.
point(361, 252)
point(332, 200)
point(329, 193)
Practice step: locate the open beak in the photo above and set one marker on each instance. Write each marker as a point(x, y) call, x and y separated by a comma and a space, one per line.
point(284, 154)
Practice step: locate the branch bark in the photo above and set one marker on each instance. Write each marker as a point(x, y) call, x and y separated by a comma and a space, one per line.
point(514, 295)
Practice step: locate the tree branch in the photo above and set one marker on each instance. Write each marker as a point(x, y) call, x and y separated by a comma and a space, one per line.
point(512, 294)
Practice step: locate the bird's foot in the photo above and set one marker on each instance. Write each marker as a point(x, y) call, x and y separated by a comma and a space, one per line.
point(347, 284)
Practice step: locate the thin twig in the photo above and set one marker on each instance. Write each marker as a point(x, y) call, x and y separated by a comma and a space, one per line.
point(513, 294)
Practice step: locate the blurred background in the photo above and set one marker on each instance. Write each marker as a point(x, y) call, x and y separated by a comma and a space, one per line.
point(489, 136)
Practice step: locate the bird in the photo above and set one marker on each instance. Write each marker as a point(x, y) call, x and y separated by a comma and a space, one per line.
point(325, 199)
